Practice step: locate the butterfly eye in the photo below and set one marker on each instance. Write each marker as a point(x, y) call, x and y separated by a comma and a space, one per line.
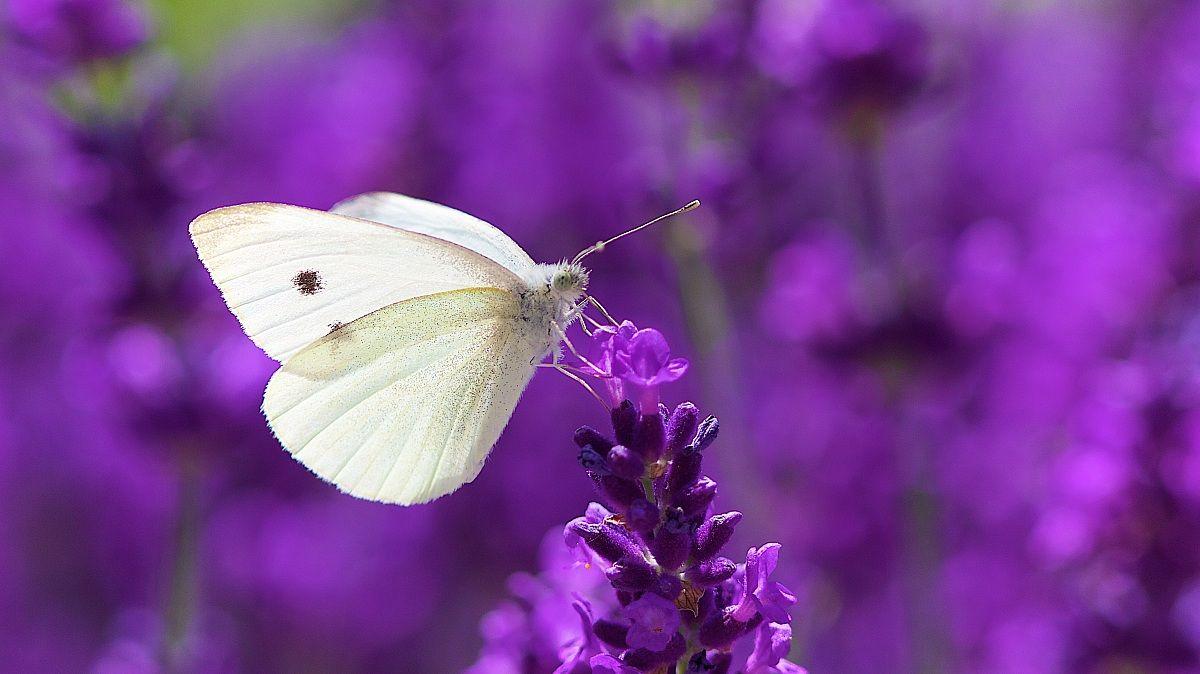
point(563, 281)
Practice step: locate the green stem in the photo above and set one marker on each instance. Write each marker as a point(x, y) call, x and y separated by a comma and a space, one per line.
point(648, 487)
point(182, 591)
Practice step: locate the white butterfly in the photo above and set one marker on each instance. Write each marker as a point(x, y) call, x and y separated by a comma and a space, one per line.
point(407, 331)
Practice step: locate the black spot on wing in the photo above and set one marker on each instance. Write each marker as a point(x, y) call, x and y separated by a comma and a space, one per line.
point(309, 282)
point(335, 326)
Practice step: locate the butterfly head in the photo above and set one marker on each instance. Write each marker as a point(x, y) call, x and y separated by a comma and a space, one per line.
point(568, 280)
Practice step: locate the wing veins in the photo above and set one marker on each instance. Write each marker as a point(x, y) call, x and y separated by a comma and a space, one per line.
point(461, 366)
point(356, 405)
point(370, 395)
point(491, 381)
point(301, 401)
point(277, 265)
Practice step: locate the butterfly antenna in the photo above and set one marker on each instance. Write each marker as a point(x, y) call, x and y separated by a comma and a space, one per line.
point(600, 245)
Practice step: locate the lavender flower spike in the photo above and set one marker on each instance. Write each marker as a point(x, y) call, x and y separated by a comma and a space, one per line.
point(672, 602)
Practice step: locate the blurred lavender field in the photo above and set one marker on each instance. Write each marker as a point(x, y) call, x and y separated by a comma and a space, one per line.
point(944, 293)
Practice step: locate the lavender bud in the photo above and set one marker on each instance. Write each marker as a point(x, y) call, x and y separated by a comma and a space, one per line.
point(624, 463)
point(706, 433)
point(684, 470)
point(611, 632)
point(606, 540)
point(586, 436)
point(630, 575)
point(714, 534)
point(681, 427)
point(650, 436)
point(719, 631)
point(619, 492)
point(624, 421)
point(694, 499)
point(591, 461)
point(711, 572)
point(643, 516)
point(670, 544)
point(670, 550)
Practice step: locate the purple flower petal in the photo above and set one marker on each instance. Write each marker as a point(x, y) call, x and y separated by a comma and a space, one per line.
point(653, 621)
point(607, 664)
point(634, 363)
point(576, 653)
point(771, 643)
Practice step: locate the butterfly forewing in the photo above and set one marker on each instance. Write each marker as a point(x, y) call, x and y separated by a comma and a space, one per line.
point(403, 405)
point(293, 275)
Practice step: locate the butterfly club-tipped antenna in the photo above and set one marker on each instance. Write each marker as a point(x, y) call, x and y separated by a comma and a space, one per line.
point(600, 245)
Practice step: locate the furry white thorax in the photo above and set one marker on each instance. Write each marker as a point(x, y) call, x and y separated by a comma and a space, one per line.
point(552, 291)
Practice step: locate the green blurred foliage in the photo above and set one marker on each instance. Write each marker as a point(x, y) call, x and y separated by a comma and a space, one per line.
point(195, 30)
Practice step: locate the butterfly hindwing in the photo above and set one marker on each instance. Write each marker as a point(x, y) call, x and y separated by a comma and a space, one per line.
point(404, 404)
point(426, 217)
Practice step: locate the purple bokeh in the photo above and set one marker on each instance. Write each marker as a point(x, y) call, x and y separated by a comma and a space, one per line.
point(943, 292)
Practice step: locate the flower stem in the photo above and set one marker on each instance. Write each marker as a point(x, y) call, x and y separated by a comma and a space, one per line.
point(181, 599)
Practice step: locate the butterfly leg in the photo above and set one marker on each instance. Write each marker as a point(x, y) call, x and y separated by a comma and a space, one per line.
point(576, 313)
point(562, 336)
point(595, 323)
point(566, 370)
point(574, 370)
point(600, 307)
point(584, 319)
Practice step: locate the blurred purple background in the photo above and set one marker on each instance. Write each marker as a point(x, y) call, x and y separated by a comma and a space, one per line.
point(943, 292)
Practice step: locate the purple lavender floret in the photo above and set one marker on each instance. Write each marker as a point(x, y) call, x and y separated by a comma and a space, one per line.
point(663, 599)
point(653, 620)
point(635, 364)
